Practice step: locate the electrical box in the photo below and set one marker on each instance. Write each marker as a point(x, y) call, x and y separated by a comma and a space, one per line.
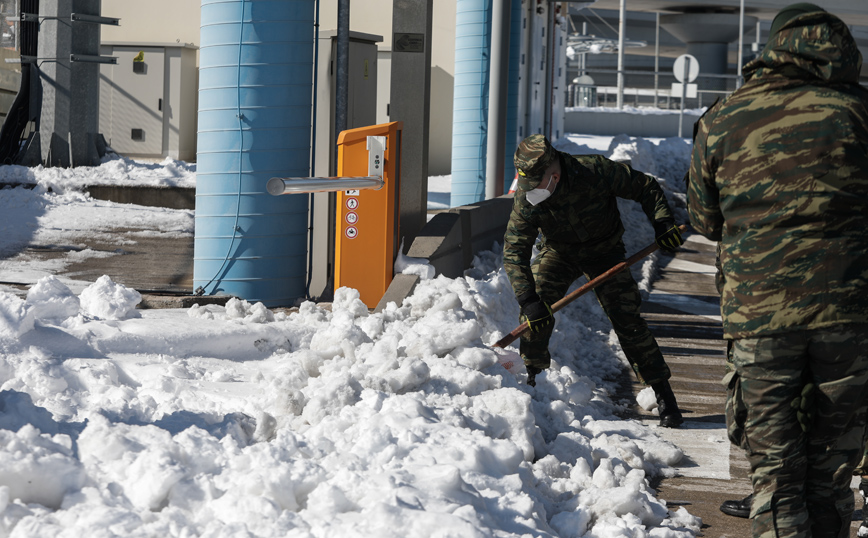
point(148, 100)
point(361, 112)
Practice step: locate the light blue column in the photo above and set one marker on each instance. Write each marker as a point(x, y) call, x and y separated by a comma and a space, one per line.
point(255, 100)
point(470, 104)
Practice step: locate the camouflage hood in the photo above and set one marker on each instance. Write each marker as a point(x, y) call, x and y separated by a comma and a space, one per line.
point(818, 44)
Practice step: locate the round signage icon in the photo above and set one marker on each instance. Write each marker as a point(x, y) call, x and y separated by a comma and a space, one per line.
point(692, 65)
point(351, 232)
point(352, 217)
point(352, 203)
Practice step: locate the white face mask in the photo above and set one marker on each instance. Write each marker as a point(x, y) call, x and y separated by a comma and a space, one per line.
point(537, 196)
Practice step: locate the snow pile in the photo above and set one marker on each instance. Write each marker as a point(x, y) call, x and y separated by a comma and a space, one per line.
point(240, 421)
point(223, 421)
point(114, 170)
point(409, 265)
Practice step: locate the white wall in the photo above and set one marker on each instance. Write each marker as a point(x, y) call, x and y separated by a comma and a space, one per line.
point(152, 21)
point(177, 21)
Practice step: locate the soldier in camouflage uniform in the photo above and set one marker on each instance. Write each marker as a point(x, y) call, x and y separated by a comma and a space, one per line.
point(570, 203)
point(779, 175)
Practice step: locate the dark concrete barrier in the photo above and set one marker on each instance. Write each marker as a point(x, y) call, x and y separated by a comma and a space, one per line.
point(169, 197)
point(450, 240)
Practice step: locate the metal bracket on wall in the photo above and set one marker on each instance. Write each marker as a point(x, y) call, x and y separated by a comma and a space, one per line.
point(93, 59)
point(81, 17)
point(72, 58)
point(74, 17)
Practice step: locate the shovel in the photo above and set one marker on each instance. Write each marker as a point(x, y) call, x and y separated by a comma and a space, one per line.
point(591, 284)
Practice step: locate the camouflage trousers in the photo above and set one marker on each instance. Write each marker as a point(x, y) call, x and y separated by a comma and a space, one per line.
point(553, 274)
point(801, 481)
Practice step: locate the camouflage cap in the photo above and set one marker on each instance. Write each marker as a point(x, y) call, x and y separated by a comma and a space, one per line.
point(533, 156)
point(789, 13)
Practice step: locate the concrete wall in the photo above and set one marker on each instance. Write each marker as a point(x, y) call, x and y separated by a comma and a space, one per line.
point(612, 122)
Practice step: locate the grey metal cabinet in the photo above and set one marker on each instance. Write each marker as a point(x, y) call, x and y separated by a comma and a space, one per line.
point(148, 103)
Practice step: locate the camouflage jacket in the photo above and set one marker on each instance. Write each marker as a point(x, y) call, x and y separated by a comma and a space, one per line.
point(581, 217)
point(779, 175)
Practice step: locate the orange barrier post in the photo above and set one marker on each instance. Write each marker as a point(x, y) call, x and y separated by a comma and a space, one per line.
point(366, 234)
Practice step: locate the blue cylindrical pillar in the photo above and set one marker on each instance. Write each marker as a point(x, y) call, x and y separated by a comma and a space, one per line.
point(512, 95)
point(255, 79)
point(470, 101)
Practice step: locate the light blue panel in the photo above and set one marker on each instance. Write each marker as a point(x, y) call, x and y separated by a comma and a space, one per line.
point(255, 163)
point(271, 118)
point(255, 79)
point(512, 95)
point(226, 54)
point(470, 100)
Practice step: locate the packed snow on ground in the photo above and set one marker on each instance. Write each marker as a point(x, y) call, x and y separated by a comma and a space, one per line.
point(240, 421)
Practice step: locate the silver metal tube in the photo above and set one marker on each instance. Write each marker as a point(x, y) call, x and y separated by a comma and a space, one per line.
point(740, 54)
point(685, 78)
point(656, 56)
point(497, 97)
point(621, 26)
point(298, 185)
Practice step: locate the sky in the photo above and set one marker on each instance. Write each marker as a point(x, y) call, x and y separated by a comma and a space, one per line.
point(240, 421)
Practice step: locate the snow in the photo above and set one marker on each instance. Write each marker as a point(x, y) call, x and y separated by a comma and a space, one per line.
point(240, 421)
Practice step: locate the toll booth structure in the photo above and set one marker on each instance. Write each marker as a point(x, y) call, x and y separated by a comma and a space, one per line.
point(366, 234)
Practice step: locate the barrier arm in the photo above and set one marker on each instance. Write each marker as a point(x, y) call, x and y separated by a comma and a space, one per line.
point(299, 185)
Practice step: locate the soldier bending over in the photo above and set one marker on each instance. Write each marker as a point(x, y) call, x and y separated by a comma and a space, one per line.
point(570, 202)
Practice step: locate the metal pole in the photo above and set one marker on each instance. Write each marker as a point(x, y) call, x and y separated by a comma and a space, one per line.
point(584, 55)
point(738, 58)
point(656, 57)
point(497, 97)
point(623, 16)
point(684, 81)
point(757, 39)
point(548, 86)
point(342, 61)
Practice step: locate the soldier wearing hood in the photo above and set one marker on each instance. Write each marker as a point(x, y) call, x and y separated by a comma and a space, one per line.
point(779, 176)
point(570, 204)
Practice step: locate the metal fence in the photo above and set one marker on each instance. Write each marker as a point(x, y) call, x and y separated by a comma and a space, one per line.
point(649, 88)
point(652, 89)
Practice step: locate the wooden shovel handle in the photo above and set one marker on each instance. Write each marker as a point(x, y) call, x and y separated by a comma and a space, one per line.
point(591, 284)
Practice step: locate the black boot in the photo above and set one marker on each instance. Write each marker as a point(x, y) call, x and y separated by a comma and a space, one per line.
point(737, 508)
point(670, 415)
point(863, 489)
point(532, 371)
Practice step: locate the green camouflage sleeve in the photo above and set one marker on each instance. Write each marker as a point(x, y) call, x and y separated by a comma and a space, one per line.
point(518, 244)
point(703, 198)
point(631, 184)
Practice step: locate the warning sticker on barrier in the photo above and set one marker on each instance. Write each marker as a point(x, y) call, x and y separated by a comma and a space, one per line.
point(351, 232)
point(352, 203)
point(352, 217)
